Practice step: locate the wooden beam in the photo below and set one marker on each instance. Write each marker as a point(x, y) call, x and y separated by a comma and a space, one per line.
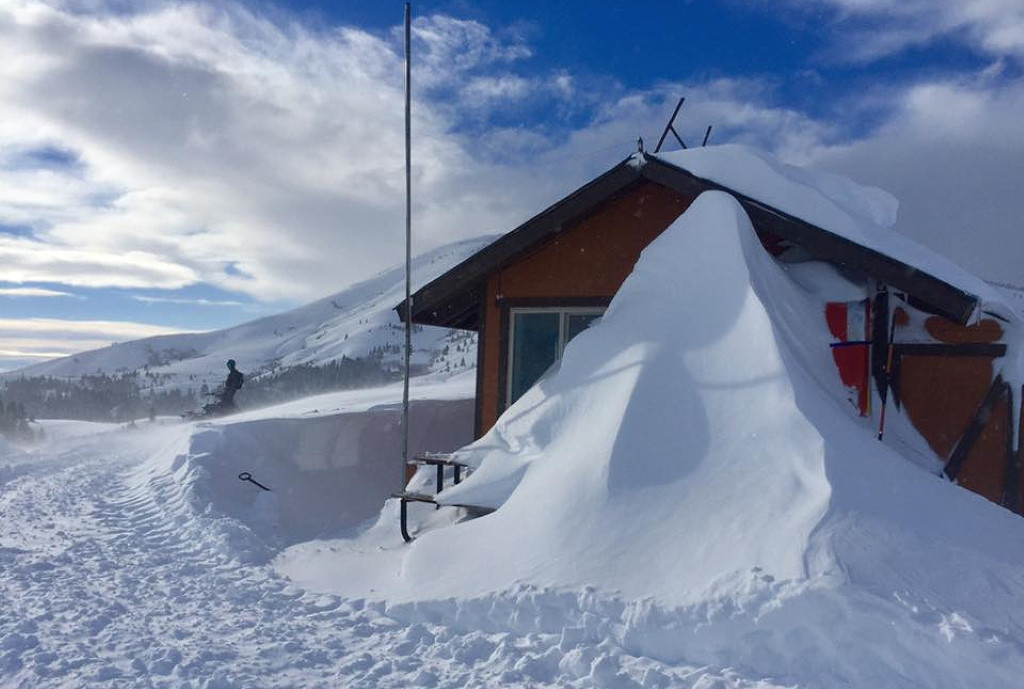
point(460, 310)
point(1011, 479)
point(974, 429)
point(983, 349)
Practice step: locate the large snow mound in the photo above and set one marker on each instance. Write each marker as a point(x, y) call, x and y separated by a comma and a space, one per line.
point(692, 458)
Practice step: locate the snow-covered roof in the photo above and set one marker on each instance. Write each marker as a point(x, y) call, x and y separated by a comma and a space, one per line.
point(862, 214)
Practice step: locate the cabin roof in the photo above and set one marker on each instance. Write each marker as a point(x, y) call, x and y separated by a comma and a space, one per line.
point(453, 299)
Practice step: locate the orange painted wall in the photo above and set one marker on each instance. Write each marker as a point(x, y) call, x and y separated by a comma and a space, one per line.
point(589, 259)
point(984, 470)
point(941, 394)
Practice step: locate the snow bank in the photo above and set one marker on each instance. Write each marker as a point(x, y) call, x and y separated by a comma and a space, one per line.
point(691, 465)
point(862, 214)
point(8, 449)
point(326, 473)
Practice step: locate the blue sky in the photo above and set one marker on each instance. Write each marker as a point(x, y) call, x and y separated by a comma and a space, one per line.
point(192, 165)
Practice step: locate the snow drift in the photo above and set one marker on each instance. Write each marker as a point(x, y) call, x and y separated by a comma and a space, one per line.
point(692, 457)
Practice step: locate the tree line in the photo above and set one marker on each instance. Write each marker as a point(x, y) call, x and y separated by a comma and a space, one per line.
point(97, 397)
point(14, 422)
point(140, 394)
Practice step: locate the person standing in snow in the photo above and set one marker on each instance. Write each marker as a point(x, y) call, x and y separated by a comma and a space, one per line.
point(232, 385)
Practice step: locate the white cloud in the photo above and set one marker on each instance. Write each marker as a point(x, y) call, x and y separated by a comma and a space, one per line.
point(876, 28)
point(447, 44)
point(115, 330)
point(951, 152)
point(27, 340)
point(29, 260)
point(192, 302)
point(32, 292)
point(209, 136)
point(43, 348)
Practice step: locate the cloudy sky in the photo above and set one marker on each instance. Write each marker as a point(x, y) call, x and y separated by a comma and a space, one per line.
point(191, 165)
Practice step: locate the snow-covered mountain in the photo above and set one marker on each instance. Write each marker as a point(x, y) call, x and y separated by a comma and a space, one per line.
point(357, 322)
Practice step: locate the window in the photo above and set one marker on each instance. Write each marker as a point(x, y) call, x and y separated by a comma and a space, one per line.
point(537, 338)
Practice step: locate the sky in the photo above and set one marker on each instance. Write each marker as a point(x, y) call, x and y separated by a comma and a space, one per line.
point(169, 165)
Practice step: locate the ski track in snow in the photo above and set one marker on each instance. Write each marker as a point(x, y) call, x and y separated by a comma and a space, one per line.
point(111, 579)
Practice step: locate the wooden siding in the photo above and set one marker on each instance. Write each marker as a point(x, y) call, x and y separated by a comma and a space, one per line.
point(941, 394)
point(590, 259)
point(984, 470)
point(952, 402)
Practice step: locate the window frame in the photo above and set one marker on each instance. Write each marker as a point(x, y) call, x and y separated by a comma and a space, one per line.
point(563, 328)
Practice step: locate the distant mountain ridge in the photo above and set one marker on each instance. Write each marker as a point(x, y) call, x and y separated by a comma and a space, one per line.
point(358, 323)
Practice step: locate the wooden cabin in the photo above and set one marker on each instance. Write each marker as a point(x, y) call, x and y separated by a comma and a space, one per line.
point(907, 341)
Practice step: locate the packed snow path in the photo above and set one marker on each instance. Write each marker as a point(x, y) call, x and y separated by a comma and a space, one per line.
point(111, 579)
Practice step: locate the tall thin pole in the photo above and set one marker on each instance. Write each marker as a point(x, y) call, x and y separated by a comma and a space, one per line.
point(408, 240)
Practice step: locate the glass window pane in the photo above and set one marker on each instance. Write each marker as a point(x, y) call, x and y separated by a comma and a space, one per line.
point(577, 323)
point(534, 349)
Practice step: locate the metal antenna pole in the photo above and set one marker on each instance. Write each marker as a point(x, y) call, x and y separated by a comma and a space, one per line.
point(408, 240)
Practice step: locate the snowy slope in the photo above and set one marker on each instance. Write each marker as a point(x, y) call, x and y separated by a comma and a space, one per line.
point(351, 323)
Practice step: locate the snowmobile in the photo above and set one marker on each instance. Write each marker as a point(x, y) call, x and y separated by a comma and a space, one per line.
point(212, 409)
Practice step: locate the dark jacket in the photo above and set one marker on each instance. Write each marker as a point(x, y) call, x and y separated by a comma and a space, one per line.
point(231, 386)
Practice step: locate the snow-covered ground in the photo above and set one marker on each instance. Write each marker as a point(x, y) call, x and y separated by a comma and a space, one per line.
point(134, 556)
point(120, 568)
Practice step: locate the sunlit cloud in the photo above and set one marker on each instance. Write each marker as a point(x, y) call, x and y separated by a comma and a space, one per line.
point(27, 340)
point(951, 152)
point(189, 302)
point(32, 292)
point(114, 330)
point(870, 29)
point(46, 349)
point(31, 260)
point(207, 134)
